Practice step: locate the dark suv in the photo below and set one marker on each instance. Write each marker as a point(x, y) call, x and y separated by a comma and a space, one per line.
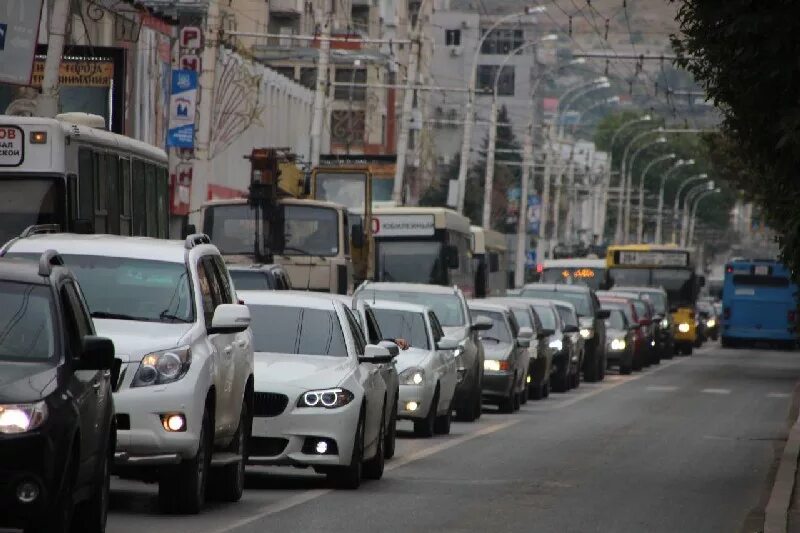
point(592, 321)
point(57, 433)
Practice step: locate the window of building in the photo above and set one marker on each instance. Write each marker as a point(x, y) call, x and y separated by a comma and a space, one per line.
point(308, 77)
point(347, 127)
point(486, 77)
point(452, 37)
point(349, 75)
point(285, 71)
point(502, 41)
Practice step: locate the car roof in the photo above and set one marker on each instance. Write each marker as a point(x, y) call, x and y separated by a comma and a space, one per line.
point(487, 306)
point(517, 303)
point(639, 289)
point(306, 300)
point(397, 306)
point(557, 287)
point(171, 251)
point(406, 287)
point(21, 271)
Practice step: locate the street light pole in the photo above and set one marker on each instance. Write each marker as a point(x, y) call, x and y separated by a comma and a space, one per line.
point(618, 237)
point(640, 222)
point(660, 213)
point(623, 127)
point(629, 185)
point(687, 202)
point(702, 196)
point(676, 204)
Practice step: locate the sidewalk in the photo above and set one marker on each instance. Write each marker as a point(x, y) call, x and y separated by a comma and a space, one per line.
point(782, 511)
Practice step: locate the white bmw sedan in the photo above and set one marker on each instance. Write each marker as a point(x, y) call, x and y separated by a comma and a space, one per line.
point(319, 396)
point(427, 369)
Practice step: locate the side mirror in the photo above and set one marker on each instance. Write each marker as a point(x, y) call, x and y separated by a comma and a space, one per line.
point(376, 354)
point(525, 333)
point(357, 236)
point(545, 333)
point(447, 344)
point(189, 229)
point(603, 314)
point(97, 354)
point(394, 350)
point(482, 323)
point(571, 329)
point(230, 318)
point(451, 256)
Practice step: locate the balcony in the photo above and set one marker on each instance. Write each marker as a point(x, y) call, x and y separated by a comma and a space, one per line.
point(286, 7)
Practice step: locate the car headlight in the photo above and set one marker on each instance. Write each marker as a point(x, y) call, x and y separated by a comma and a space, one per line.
point(21, 418)
point(326, 398)
point(495, 365)
point(557, 345)
point(664, 323)
point(412, 376)
point(711, 323)
point(586, 333)
point(166, 366)
point(458, 352)
point(683, 327)
point(618, 344)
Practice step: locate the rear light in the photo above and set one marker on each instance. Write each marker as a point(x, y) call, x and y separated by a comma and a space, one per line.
point(539, 268)
point(726, 313)
point(505, 366)
point(729, 269)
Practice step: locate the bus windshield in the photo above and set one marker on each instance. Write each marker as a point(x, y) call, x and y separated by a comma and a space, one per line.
point(26, 201)
point(591, 277)
point(382, 189)
point(410, 261)
point(347, 189)
point(677, 282)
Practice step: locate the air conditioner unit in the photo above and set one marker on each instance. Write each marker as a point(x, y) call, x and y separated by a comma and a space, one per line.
point(456, 51)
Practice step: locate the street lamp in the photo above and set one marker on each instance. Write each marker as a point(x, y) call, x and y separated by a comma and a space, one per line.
point(628, 165)
point(623, 180)
point(640, 223)
point(667, 175)
point(702, 196)
point(470, 111)
point(687, 202)
point(676, 204)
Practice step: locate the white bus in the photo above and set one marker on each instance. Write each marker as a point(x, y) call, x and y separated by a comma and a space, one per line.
point(429, 245)
point(82, 178)
point(490, 253)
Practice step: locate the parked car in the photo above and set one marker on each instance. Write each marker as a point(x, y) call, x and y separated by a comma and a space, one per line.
point(564, 353)
point(320, 400)
point(427, 369)
point(450, 307)
point(540, 364)
point(591, 321)
point(663, 323)
point(507, 360)
point(640, 340)
point(569, 317)
point(620, 338)
point(260, 278)
point(185, 394)
point(57, 432)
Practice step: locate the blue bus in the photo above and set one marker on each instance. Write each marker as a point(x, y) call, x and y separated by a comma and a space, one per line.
point(759, 303)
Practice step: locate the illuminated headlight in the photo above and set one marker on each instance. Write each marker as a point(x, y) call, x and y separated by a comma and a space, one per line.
point(159, 368)
point(652, 343)
point(557, 345)
point(458, 352)
point(711, 323)
point(327, 398)
point(664, 323)
point(21, 418)
point(412, 376)
point(683, 327)
point(586, 333)
point(618, 344)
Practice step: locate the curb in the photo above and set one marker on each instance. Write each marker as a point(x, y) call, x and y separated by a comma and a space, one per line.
point(776, 513)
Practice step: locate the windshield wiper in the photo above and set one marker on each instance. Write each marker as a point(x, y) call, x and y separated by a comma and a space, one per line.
point(118, 316)
point(165, 315)
point(301, 252)
point(488, 338)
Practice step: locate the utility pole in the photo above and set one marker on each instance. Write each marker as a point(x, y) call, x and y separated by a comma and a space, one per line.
point(542, 244)
point(569, 223)
point(324, 22)
point(490, 158)
point(47, 101)
point(522, 226)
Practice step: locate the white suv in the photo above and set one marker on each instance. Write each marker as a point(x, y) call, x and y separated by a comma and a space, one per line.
point(185, 392)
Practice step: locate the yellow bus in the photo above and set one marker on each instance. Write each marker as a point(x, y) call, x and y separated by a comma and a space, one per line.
point(668, 267)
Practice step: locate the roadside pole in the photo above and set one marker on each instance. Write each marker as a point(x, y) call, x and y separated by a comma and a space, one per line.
point(522, 226)
point(320, 95)
point(47, 101)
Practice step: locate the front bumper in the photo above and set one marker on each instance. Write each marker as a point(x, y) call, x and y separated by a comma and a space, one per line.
point(422, 395)
point(497, 384)
point(295, 425)
point(30, 458)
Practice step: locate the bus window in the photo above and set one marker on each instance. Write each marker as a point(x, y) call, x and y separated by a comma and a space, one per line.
point(101, 194)
point(110, 168)
point(85, 184)
point(125, 205)
point(139, 198)
point(151, 206)
point(163, 203)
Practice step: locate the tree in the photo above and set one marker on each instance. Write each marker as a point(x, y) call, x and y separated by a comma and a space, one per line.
point(745, 55)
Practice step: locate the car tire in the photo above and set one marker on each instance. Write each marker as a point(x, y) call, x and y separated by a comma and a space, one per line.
point(536, 391)
point(183, 490)
point(590, 365)
point(390, 440)
point(425, 427)
point(689, 349)
point(525, 393)
point(373, 468)
point(625, 369)
point(227, 482)
point(349, 477)
point(602, 364)
point(91, 516)
point(517, 400)
point(59, 518)
point(506, 404)
point(561, 383)
point(546, 389)
point(443, 422)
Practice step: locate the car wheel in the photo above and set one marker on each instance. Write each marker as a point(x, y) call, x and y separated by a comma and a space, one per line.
point(546, 389)
point(391, 434)
point(349, 477)
point(689, 349)
point(561, 381)
point(183, 490)
point(443, 423)
point(425, 427)
point(602, 364)
point(507, 404)
point(536, 390)
point(373, 468)
point(59, 518)
point(91, 516)
point(523, 395)
point(590, 366)
point(227, 482)
point(517, 400)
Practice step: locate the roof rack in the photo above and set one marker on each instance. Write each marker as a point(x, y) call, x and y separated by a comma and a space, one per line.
point(39, 229)
point(48, 260)
point(196, 239)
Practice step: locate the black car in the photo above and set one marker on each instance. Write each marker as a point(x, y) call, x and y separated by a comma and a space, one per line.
point(260, 278)
point(592, 321)
point(57, 434)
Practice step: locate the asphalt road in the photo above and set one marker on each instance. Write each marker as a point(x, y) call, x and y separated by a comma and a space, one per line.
point(685, 446)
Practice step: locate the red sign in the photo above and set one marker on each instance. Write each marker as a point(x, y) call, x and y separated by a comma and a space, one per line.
point(180, 189)
point(12, 146)
point(190, 37)
point(190, 62)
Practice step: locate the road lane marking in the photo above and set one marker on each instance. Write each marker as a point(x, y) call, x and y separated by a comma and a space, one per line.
point(661, 388)
point(780, 395)
point(716, 391)
point(309, 495)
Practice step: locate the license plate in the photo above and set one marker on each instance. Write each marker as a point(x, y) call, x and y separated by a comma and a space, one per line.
point(761, 270)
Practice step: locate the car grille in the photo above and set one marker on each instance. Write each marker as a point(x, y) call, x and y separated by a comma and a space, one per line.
point(269, 404)
point(266, 446)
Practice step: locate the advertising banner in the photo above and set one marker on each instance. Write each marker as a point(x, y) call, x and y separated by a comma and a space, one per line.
point(19, 26)
point(534, 214)
point(182, 104)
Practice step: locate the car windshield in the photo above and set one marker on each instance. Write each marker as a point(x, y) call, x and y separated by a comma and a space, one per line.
point(499, 333)
point(616, 320)
point(678, 283)
point(567, 316)
point(410, 262)
point(250, 280)
point(347, 189)
point(581, 300)
point(132, 289)
point(296, 331)
point(406, 325)
point(625, 308)
point(447, 307)
point(26, 201)
point(658, 300)
point(26, 322)
point(546, 316)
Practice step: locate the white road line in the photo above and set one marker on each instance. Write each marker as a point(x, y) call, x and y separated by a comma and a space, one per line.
point(309, 495)
point(716, 391)
point(778, 395)
point(662, 388)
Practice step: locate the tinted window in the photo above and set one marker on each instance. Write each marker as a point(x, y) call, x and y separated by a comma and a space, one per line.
point(760, 281)
point(294, 330)
point(403, 325)
point(410, 262)
point(139, 198)
point(246, 280)
point(567, 316)
point(86, 184)
point(151, 191)
point(591, 277)
point(499, 332)
point(581, 300)
point(25, 202)
point(546, 316)
point(356, 330)
point(658, 300)
point(26, 322)
point(448, 307)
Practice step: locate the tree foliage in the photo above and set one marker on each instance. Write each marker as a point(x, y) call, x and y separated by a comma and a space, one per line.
point(746, 54)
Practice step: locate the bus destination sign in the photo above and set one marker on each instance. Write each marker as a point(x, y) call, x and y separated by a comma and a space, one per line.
point(661, 258)
point(12, 146)
point(403, 225)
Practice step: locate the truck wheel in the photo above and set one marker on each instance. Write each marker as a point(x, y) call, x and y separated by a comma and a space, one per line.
point(183, 490)
point(227, 482)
